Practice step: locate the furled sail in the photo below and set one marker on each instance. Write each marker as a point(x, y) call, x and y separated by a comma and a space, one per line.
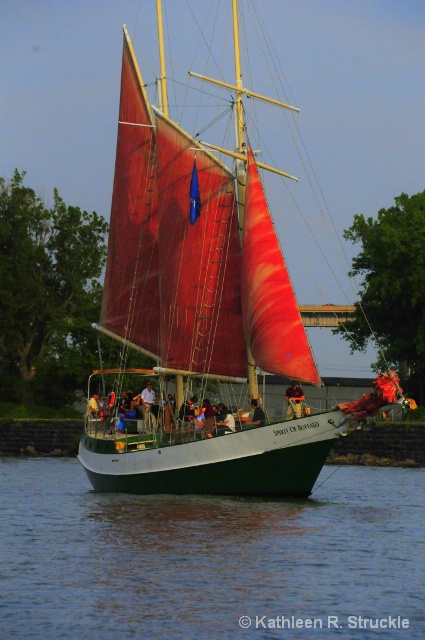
point(130, 307)
point(272, 320)
point(201, 322)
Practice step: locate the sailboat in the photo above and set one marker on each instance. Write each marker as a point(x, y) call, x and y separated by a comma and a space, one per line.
point(196, 280)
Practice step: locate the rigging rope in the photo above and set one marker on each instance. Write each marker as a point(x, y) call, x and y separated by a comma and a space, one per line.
point(326, 479)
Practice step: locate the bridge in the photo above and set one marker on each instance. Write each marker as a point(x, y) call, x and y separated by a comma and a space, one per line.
point(327, 315)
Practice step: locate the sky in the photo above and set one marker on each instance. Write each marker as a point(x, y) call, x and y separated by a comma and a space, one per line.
point(355, 68)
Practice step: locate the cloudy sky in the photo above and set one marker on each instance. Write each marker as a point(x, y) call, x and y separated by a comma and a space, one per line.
point(355, 68)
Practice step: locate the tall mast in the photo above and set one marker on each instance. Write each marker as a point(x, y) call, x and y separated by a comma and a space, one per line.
point(239, 123)
point(163, 96)
point(241, 173)
point(163, 104)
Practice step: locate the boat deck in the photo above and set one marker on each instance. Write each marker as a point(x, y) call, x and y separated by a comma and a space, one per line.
point(133, 437)
point(105, 436)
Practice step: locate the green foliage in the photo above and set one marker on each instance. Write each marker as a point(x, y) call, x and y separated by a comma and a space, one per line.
point(19, 411)
point(112, 356)
point(392, 292)
point(74, 444)
point(416, 415)
point(50, 262)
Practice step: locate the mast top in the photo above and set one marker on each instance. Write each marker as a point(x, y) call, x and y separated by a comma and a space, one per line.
point(163, 95)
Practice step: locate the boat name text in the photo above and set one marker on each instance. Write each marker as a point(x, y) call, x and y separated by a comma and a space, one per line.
point(298, 427)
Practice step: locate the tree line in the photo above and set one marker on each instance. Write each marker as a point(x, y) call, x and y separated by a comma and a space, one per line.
point(51, 260)
point(391, 305)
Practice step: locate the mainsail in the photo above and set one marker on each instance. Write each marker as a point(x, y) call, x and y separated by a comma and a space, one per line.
point(178, 285)
point(273, 324)
point(130, 307)
point(201, 321)
point(171, 288)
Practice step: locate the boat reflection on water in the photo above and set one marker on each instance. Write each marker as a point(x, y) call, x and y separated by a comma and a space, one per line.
point(199, 560)
point(147, 520)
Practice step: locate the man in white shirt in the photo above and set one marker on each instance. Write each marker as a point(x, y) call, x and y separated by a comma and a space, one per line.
point(148, 400)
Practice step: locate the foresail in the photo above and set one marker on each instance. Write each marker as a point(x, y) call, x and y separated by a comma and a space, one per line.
point(130, 307)
point(201, 323)
point(273, 324)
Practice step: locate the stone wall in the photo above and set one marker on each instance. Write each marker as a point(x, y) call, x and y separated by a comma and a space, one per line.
point(40, 437)
point(384, 444)
point(392, 444)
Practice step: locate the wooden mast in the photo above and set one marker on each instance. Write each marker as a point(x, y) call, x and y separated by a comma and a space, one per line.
point(163, 95)
point(241, 174)
point(163, 103)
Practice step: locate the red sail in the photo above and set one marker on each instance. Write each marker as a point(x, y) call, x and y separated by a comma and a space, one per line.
point(273, 323)
point(131, 296)
point(201, 324)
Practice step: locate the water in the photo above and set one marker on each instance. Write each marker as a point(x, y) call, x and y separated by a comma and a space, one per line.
point(79, 565)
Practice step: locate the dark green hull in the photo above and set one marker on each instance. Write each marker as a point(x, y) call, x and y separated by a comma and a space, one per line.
point(288, 472)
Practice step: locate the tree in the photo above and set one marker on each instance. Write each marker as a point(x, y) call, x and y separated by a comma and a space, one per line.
point(392, 293)
point(50, 262)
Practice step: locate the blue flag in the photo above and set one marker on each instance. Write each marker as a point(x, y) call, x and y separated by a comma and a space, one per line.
point(195, 196)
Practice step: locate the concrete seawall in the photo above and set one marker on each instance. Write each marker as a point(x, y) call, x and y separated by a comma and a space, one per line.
point(386, 444)
point(40, 437)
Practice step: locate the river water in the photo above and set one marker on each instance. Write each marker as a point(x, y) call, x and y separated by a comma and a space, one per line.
point(80, 565)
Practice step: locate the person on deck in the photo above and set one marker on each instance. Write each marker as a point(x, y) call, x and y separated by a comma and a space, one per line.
point(103, 403)
point(148, 395)
point(148, 400)
point(124, 403)
point(220, 411)
point(187, 410)
point(110, 402)
point(199, 421)
point(134, 402)
point(209, 415)
point(226, 424)
point(93, 406)
point(294, 397)
point(258, 417)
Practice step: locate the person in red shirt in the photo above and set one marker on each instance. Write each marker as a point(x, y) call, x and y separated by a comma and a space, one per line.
point(295, 397)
